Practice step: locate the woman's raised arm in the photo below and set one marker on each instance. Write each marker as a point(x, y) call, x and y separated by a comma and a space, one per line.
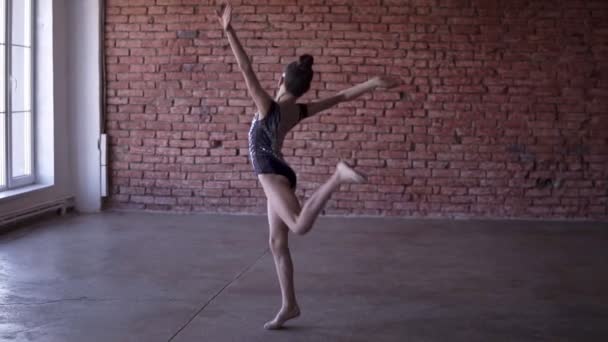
point(352, 93)
point(261, 98)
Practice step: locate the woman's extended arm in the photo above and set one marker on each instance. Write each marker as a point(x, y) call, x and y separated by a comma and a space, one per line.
point(351, 93)
point(262, 100)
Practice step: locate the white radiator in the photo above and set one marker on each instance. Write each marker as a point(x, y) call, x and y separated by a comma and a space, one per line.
point(61, 205)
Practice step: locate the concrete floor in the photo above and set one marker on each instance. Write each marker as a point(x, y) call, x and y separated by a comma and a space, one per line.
point(153, 277)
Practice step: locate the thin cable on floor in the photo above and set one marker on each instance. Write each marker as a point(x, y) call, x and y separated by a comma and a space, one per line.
point(217, 294)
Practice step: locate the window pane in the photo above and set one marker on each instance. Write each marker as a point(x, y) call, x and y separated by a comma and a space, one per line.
point(21, 22)
point(2, 150)
point(21, 88)
point(2, 79)
point(21, 130)
point(2, 19)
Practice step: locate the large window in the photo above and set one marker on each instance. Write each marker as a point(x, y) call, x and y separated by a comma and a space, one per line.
point(16, 88)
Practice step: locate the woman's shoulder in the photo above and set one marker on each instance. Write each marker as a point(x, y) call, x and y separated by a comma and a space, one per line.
point(288, 108)
point(274, 106)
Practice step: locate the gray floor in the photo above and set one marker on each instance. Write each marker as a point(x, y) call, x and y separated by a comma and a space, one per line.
point(153, 277)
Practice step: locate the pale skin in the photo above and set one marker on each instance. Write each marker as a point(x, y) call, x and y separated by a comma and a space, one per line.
point(284, 210)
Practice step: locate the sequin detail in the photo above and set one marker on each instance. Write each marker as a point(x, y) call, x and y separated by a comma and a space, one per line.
point(265, 145)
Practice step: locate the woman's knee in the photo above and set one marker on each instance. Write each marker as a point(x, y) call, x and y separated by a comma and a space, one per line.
point(278, 245)
point(301, 229)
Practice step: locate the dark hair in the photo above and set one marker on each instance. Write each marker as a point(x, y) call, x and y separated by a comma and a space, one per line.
point(298, 75)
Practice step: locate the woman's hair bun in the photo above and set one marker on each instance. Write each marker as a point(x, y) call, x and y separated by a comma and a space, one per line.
point(306, 61)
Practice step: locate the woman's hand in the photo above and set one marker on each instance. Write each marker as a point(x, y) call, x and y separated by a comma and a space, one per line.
point(386, 82)
point(224, 15)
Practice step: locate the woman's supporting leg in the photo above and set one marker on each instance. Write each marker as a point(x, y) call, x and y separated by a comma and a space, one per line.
point(286, 205)
point(278, 241)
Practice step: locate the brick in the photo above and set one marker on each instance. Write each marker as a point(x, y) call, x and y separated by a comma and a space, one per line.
point(178, 111)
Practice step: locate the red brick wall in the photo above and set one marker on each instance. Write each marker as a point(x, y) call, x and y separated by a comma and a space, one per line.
point(505, 111)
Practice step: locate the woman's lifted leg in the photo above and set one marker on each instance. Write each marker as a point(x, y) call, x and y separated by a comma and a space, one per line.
point(284, 202)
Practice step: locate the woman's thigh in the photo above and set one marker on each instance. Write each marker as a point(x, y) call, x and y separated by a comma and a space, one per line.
point(281, 198)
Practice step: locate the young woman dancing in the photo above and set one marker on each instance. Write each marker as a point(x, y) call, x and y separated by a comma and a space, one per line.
point(273, 120)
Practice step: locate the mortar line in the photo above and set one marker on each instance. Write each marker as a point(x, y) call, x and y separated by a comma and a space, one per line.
point(218, 293)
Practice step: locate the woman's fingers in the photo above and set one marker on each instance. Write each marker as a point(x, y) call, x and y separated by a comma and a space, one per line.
point(395, 82)
point(389, 81)
point(224, 14)
point(228, 14)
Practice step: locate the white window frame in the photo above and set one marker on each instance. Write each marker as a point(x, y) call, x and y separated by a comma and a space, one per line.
point(20, 181)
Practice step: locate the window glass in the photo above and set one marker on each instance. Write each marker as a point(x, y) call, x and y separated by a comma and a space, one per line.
point(21, 144)
point(21, 23)
point(21, 87)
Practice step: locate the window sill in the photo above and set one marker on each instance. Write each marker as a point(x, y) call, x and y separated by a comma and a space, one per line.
point(15, 193)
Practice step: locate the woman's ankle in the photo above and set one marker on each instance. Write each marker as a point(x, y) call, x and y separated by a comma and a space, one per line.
point(289, 306)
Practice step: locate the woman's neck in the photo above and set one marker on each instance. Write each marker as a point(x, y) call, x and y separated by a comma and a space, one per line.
point(285, 97)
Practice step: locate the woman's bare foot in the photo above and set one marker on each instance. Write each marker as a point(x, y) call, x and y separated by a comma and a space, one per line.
point(283, 316)
point(348, 175)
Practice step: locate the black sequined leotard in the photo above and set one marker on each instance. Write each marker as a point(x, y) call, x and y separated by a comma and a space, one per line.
point(265, 144)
